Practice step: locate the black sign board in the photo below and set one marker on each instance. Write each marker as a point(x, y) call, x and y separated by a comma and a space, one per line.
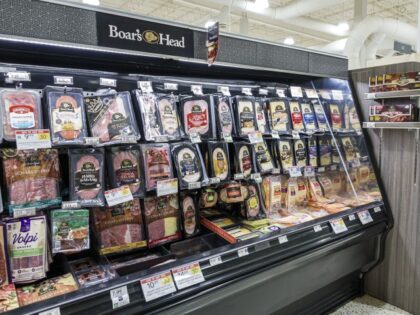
point(132, 34)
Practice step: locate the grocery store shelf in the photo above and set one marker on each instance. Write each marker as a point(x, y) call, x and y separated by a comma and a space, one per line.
point(391, 125)
point(392, 94)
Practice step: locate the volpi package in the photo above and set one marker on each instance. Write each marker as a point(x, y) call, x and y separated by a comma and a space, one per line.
point(224, 117)
point(157, 164)
point(218, 160)
point(278, 114)
point(244, 160)
point(190, 222)
point(244, 110)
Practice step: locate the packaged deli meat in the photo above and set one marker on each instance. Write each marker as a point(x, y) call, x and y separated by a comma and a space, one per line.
point(32, 178)
point(21, 109)
point(321, 119)
point(111, 117)
point(233, 192)
point(198, 116)
point(27, 248)
point(350, 149)
point(245, 115)
point(278, 114)
point(398, 110)
point(325, 151)
point(224, 117)
point(188, 163)
point(263, 158)
point(260, 115)
point(308, 117)
point(351, 119)
point(66, 115)
point(119, 228)
point(313, 152)
point(208, 198)
point(168, 116)
point(253, 206)
point(87, 176)
point(70, 230)
point(272, 190)
point(46, 289)
point(218, 159)
point(300, 153)
point(286, 153)
point(8, 298)
point(244, 161)
point(335, 152)
point(4, 260)
point(149, 114)
point(296, 116)
point(124, 168)
point(335, 116)
point(157, 164)
point(190, 222)
point(161, 218)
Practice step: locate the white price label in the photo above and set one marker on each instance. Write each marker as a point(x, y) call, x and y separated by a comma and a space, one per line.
point(214, 180)
point(145, 86)
point(275, 171)
point(118, 195)
point(24, 212)
point(167, 187)
point(311, 93)
point(333, 167)
point(263, 91)
point(377, 209)
point(365, 217)
point(275, 134)
point(283, 239)
point(255, 137)
point(370, 95)
point(227, 137)
point(337, 95)
point(187, 275)
point(33, 139)
point(325, 95)
point(70, 205)
point(309, 171)
point(196, 185)
point(321, 169)
point(119, 297)
point(170, 86)
point(215, 261)
point(370, 124)
point(295, 134)
point(224, 90)
point(53, 311)
point(18, 76)
point(352, 217)
point(107, 82)
point(243, 252)
point(197, 89)
point(338, 226)
point(195, 137)
point(294, 171)
point(317, 228)
point(256, 177)
point(280, 93)
point(161, 139)
point(238, 176)
point(296, 91)
point(60, 80)
point(128, 139)
point(246, 91)
point(157, 286)
point(355, 163)
point(92, 140)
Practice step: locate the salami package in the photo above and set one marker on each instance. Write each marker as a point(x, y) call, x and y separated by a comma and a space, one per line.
point(224, 117)
point(32, 178)
point(111, 117)
point(70, 230)
point(300, 153)
point(245, 115)
point(260, 115)
point(124, 168)
point(87, 176)
point(286, 154)
point(308, 117)
point(119, 228)
point(149, 114)
point(21, 109)
point(244, 162)
point(296, 116)
point(263, 158)
point(161, 218)
point(321, 119)
point(190, 221)
point(198, 116)
point(313, 152)
point(27, 248)
point(325, 151)
point(157, 164)
point(66, 115)
point(278, 114)
point(218, 160)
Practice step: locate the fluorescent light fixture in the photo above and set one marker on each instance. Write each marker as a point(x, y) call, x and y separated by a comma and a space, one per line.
point(289, 41)
point(261, 4)
point(92, 2)
point(343, 26)
point(209, 23)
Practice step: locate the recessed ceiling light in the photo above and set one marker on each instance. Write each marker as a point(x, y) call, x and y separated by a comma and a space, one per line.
point(343, 26)
point(289, 41)
point(92, 2)
point(261, 4)
point(209, 23)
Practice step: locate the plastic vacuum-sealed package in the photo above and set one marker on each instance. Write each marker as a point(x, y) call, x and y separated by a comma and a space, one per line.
point(66, 115)
point(286, 154)
point(260, 115)
point(263, 158)
point(278, 114)
point(218, 160)
point(87, 176)
point(168, 116)
point(244, 161)
point(244, 109)
point(296, 116)
point(157, 164)
point(21, 110)
point(325, 151)
point(32, 178)
point(321, 119)
point(149, 114)
point(190, 221)
point(124, 168)
point(300, 153)
point(308, 117)
point(111, 118)
point(224, 117)
point(253, 208)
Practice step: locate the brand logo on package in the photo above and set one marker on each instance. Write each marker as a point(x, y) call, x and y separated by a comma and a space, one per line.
point(132, 34)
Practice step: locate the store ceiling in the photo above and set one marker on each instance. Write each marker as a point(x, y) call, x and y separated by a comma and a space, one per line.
point(197, 13)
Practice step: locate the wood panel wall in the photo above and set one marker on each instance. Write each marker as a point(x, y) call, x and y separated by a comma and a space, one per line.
point(397, 279)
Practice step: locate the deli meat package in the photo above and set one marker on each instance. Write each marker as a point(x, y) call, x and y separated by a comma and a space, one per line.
point(66, 115)
point(198, 116)
point(161, 217)
point(8, 298)
point(244, 110)
point(260, 116)
point(119, 228)
point(27, 248)
point(189, 213)
point(263, 158)
point(157, 164)
point(4, 261)
point(244, 161)
point(87, 176)
point(32, 178)
point(218, 160)
point(224, 117)
point(124, 168)
point(111, 118)
point(168, 116)
point(21, 109)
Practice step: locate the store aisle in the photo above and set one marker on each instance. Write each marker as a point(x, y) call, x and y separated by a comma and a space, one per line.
point(368, 305)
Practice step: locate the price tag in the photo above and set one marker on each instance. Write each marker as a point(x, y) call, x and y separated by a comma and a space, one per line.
point(283, 239)
point(196, 185)
point(24, 212)
point(294, 171)
point(92, 140)
point(170, 86)
point(167, 187)
point(317, 228)
point(197, 89)
point(370, 124)
point(295, 134)
point(157, 286)
point(263, 91)
point(107, 82)
point(227, 137)
point(370, 95)
point(321, 169)
point(224, 90)
point(377, 209)
point(119, 297)
point(352, 217)
point(311, 93)
point(337, 95)
point(296, 91)
point(246, 91)
point(256, 177)
point(333, 167)
point(187, 275)
point(60, 80)
point(66, 205)
point(255, 137)
point(243, 252)
point(161, 139)
point(355, 163)
point(214, 180)
point(238, 176)
point(53, 311)
point(118, 195)
point(215, 261)
point(145, 86)
point(364, 217)
point(325, 95)
point(309, 171)
point(275, 171)
point(33, 139)
point(338, 226)
point(14, 76)
point(275, 134)
point(128, 139)
point(195, 137)
point(280, 92)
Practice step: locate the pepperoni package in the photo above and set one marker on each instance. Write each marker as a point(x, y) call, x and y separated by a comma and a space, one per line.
point(21, 109)
point(157, 164)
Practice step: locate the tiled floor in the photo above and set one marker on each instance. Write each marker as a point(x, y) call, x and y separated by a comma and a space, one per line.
point(367, 305)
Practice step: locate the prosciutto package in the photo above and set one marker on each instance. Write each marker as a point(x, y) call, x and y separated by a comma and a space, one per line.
point(66, 113)
point(111, 117)
point(197, 115)
point(26, 246)
point(21, 109)
point(157, 164)
point(31, 177)
point(124, 168)
point(119, 228)
point(87, 176)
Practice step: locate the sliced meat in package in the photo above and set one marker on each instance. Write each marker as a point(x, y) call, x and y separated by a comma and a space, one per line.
point(244, 160)
point(224, 117)
point(168, 115)
point(278, 113)
point(157, 164)
point(189, 213)
point(263, 158)
point(32, 178)
point(218, 160)
point(244, 110)
point(87, 176)
point(4, 260)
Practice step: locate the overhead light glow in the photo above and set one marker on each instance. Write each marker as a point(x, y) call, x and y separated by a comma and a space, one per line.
point(343, 26)
point(92, 2)
point(289, 41)
point(261, 4)
point(209, 23)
